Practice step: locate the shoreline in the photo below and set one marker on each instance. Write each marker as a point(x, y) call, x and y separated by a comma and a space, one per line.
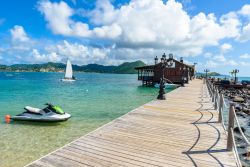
point(80, 72)
point(241, 99)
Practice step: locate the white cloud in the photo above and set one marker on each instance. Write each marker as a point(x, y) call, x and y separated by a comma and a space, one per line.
point(231, 63)
point(140, 29)
point(208, 55)
point(230, 25)
point(59, 20)
point(211, 64)
point(144, 24)
point(245, 56)
point(37, 57)
point(78, 53)
point(245, 10)
point(217, 63)
point(242, 63)
point(58, 17)
point(18, 34)
point(104, 13)
point(110, 32)
point(220, 58)
point(225, 47)
point(245, 34)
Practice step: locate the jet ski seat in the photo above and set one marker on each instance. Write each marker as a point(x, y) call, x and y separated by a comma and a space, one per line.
point(33, 109)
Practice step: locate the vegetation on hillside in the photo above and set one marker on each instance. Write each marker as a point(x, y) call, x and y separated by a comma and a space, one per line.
point(125, 68)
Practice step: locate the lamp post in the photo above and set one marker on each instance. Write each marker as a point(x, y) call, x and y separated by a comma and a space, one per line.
point(235, 75)
point(164, 63)
point(206, 71)
point(183, 69)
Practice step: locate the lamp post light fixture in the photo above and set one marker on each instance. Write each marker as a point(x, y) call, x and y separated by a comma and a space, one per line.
point(164, 64)
point(206, 71)
point(235, 75)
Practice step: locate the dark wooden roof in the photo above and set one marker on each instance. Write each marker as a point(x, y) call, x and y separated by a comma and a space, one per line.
point(151, 67)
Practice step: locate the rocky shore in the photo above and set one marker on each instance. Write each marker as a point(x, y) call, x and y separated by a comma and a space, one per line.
point(241, 99)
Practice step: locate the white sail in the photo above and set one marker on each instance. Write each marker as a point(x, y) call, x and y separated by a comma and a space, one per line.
point(69, 71)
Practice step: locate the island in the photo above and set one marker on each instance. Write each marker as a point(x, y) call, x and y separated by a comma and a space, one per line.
point(124, 68)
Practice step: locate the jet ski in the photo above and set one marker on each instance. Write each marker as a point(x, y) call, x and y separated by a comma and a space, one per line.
point(50, 113)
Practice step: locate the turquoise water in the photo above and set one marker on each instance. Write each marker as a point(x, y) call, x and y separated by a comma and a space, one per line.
point(239, 78)
point(93, 100)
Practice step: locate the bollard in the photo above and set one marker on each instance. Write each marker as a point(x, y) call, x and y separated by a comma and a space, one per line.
point(230, 126)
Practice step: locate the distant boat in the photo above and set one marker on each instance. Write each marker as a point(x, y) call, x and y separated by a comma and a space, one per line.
point(167, 86)
point(69, 73)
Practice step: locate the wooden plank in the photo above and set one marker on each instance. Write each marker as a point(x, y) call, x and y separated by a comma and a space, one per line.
point(180, 131)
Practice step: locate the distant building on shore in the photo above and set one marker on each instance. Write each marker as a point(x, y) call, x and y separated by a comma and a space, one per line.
point(179, 72)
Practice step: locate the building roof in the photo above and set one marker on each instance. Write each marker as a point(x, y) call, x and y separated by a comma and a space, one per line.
point(151, 67)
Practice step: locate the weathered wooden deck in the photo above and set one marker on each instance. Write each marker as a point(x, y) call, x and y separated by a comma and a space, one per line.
point(180, 131)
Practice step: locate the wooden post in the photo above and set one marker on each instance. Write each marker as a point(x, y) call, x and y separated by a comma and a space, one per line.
point(216, 100)
point(230, 126)
point(220, 108)
point(213, 93)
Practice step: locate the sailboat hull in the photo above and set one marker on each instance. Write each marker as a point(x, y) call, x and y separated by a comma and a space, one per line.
point(68, 80)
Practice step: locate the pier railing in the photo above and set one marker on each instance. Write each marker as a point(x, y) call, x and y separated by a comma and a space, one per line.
point(221, 106)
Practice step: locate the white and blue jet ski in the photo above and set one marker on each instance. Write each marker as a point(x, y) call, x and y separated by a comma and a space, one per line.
point(50, 113)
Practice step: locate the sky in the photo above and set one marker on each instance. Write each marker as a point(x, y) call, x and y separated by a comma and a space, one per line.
point(214, 34)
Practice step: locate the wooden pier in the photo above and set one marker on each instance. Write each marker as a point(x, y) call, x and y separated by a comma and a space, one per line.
point(180, 131)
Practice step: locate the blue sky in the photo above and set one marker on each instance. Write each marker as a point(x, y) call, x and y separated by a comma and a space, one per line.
point(215, 34)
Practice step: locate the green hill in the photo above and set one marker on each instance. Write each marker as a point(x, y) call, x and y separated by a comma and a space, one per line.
point(128, 68)
point(97, 68)
point(125, 68)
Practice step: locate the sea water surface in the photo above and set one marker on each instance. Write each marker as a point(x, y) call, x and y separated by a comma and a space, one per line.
point(93, 100)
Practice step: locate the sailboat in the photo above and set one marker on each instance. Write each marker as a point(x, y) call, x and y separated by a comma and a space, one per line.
point(69, 73)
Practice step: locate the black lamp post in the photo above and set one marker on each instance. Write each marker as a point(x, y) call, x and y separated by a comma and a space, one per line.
point(164, 63)
point(235, 75)
point(183, 69)
point(206, 71)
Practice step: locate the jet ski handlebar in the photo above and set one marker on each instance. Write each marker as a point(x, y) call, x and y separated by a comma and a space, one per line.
point(49, 104)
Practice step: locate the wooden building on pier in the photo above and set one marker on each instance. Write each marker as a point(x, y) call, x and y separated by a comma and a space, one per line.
point(178, 73)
